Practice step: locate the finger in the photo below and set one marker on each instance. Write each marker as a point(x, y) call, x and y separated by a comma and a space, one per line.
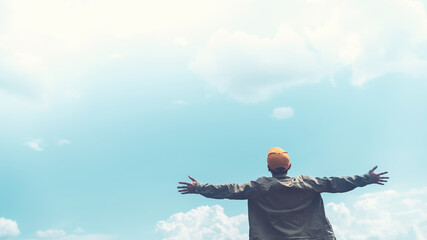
point(184, 183)
point(182, 187)
point(183, 190)
point(373, 169)
point(192, 179)
point(382, 173)
point(380, 183)
point(384, 178)
point(188, 193)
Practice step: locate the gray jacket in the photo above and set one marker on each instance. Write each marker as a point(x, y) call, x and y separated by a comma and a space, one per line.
point(283, 207)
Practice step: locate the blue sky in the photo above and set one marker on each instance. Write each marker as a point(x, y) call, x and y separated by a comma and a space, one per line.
point(105, 106)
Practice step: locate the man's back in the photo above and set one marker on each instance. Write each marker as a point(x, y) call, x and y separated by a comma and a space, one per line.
point(283, 207)
point(287, 212)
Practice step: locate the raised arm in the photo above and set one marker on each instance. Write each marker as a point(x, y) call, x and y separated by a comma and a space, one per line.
point(344, 184)
point(221, 191)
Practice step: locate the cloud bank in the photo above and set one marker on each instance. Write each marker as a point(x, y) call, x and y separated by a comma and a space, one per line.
point(203, 223)
point(319, 40)
point(380, 216)
point(387, 215)
point(306, 41)
point(8, 228)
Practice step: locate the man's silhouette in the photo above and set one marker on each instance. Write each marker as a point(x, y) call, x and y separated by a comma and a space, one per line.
point(282, 207)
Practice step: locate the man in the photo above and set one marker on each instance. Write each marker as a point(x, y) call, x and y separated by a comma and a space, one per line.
point(282, 207)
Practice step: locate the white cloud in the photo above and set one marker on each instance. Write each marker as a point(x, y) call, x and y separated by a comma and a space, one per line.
point(52, 233)
point(35, 144)
point(251, 68)
point(62, 141)
point(182, 42)
point(203, 223)
point(319, 39)
point(42, 60)
point(8, 228)
point(382, 215)
point(282, 112)
point(261, 53)
point(386, 215)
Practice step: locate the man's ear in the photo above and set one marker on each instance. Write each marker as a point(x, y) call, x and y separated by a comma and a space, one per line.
point(269, 169)
point(290, 165)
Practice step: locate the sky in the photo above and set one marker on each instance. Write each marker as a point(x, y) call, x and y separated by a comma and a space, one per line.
point(106, 105)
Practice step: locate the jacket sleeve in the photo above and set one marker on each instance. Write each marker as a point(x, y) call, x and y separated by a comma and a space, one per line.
point(229, 191)
point(336, 184)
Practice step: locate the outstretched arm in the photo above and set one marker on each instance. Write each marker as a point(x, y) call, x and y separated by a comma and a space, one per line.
point(344, 184)
point(230, 191)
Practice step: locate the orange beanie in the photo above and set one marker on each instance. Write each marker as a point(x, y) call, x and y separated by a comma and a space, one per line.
point(277, 157)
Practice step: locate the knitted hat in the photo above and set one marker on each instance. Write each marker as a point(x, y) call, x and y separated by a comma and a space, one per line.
point(277, 157)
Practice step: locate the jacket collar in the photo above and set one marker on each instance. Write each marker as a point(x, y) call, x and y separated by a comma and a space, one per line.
point(280, 175)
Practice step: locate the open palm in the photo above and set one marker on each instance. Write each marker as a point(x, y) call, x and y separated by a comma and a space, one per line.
point(378, 177)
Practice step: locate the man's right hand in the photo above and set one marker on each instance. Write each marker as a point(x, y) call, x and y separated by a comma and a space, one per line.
point(190, 187)
point(377, 178)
